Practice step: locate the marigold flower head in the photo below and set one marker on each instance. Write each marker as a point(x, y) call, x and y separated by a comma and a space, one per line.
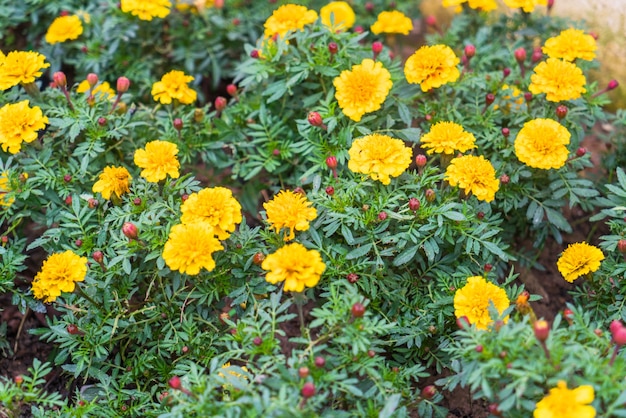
point(392, 22)
point(4, 189)
point(579, 259)
point(527, 5)
point(289, 17)
point(542, 143)
point(20, 67)
point(337, 15)
point(289, 210)
point(59, 273)
point(362, 89)
point(158, 159)
point(571, 44)
point(190, 247)
point(562, 402)
point(432, 67)
point(484, 5)
point(473, 301)
point(173, 86)
point(216, 206)
point(453, 3)
point(475, 175)
point(19, 123)
point(447, 138)
point(294, 265)
point(146, 9)
point(113, 180)
point(559, 79)
point(102, 91)
point(380, 157)
point(64, 28)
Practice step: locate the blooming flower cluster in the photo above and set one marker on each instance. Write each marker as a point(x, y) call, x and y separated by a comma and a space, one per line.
point(474, 299)
point(59, 273)
point(64, 28)
point(20, 67)
point(289, 17)
point(475, 175)
point(215, 206)
point(432, 67)
point(146, 9)
point(379, 156)
point(158, 160)
point(19, 123)
point(294, 265)
point(447, 138)
point(485, 5)
point(571, 44)
point(559, 79)
point(173, 86)
point(289, 210)
point(542, 143)
point(113, 181)
point(392, 22)
point(579, 259)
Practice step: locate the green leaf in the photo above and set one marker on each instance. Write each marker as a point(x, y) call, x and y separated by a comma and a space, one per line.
point(359, 251)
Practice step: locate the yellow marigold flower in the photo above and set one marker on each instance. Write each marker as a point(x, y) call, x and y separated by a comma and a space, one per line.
point(485, 5)
point(194, 5)
point(432, 67)
point(158, 159)
point(579, 259)
point(379, 156)
point(215, 206)
point(294, 265)
point(173, 86)
point(102, 91)
point(21, 67)
point(453, 3)
point(288, 17)
point(113, 180)
point(475, 175)
point(64, 28)
point(527, 5)
point(362, 89)
point(59, 273)
point(473, 301)
point(19, 123)
point(338, 12)
point(146, 9)
point(559, 79)
point(562, 402)
point(4, 189)
point(541, 143)
point(190, 247)
point(289, 210)
point(571, 44)
point(392, 22)
point(446, 138)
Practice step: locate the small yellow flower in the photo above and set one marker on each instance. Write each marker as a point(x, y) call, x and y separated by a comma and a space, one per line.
point(190, 247)
point(579, 259)
point(475, 175)
point(473, 301)
point(559, 79)
point(379, 156)
point(173, 86)
point(484, 5)
point(294, 265)
point(432, 67)
point(542, 143)
point(157, 160)
point(216, 206)
point(289, 210)
point(571, 44)
point(4, 189)
point(562, 402)
point(337, 15)
point(453, 3)
point(64, 28)
point(59, 273)
point(146, 9)
point(527, 5)
point(113, 180)
point(21, 67)
point(392, 22)
point(362, 89)
point(289, 17)
point(102, 91)
point(447, 138)
point(19, 123)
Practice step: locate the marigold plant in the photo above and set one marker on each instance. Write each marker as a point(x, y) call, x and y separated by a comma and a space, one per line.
point(571, 44)
point(542, 143)
point(392, 22)
point(21, 67)
point(562, 402)
point(291, 211)
point(559, 79)
point(474, 299)
point(288, 17)
point(379, 156)
point(189, 247)
point(20, 123)
point(64, 28)
point(337, 15)
point(447, 138)
point(294, 265)
point(475, 175)
point(146, 9)
point(579, 259)
point(432, 67)
point(215, 206)
point(173, 86)
point(158, 160)
point(59, 273)
point(113, 181)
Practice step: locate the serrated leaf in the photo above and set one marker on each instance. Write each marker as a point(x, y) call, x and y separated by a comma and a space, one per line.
point(359, 251)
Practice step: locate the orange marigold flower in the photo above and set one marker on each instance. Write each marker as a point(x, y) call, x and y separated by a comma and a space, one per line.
point(362, 89)
point(59, 273)
point(562, 402)
point(173, 86)
point(289, 210)
point(64, 28)
point(559, 79)
point(432, 67)
point(289, 17)
point(392, 22)
point(379, 156)
point(20, 67)
point(473, 301)
point(571, 44)
point(527, 5)
point(294, 265)
point(447, 138)
point(113, 181)
point(541, 143)
point(19, 123)
point(579, 259)
point(475, 175)
point(337, 15)
point(158, 159)
point(190, 247)
point(146, 9)
point(216, 206)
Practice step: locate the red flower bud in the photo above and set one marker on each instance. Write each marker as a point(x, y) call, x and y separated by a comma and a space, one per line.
point(352, 277)
point(506, 72)
point(79, 242)
point(414, 204)
point(98, 256)
point(561, 111)
point(621, 246)
point(619, 336)
point(612, 85)
point(320, 361)
point(506, 132)
point(254, 54)
point(123, 84)
point(257, 341)
point(470, 50)
point(494, 410)
point(429, 392)
point(369, 6)
point(231, 89)
point(308, 390)
point(92, 203)
point(358, 310)
point(4, 239)
point(330, 190)
point(59, 79)
point(258, 258)
point(303, 372)
point(72, 329)
point(420, 160)
point(520, 55)
point(220, 103)
point(541, 329)
point(178, 124)
point(377, 47)
point(504, 179)
point(67, 178)
point(130, 230)
point(615, 325)
point(489, 98)
point(488, 267)
point(581, 151)
point(358, 29)
point(382, 216)
point(332, 48)
point(102, 121)
point(331, 162)
point(174, 382)
point(568, 315)
point(315, 119)
point(92, 79)
point(480, 215)
point(18, 380)
point(68, 200)
point(537, 55)
point(478, 348)
point(430, 195)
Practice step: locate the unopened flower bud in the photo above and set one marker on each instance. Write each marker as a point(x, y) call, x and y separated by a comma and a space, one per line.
point(320, 361)
point(429, 392)
point(352, 277)
point(92, 203)
point(198, 115)
point(506, 132)
point(315, 119)
point(72, 329)
point(254, 54)
point(330, 190)
point(257, 341)
point(489, 98)
point(130, 230)
point(612, 85)
point(331, 162)
point(123, 84)
point(369, 7)
point(377, 47)
point(504, 179)
point(68, 200)
point(431, 20)
point(541, 329)
point(358, 310)
point(308, 390)
point(621, 246)
point(494, 410)
point(4, 239)
point(98, 256)
point(178, 124)
point(528, 96)
point(480, 215)
point(568, 315)
point(581, 151)
point(220, 103)
point(382, 216)
point(67, 178)
point(258, 258)
point(174, 382)
point(102, 121)
point(231, 89)
point(332, 48)
point(303, 372)
point(479, 348)
point(520, 55)
point(92, 79)
point(470, 50)
point(619, 336)
point(420, 160)
point(561, 111)
point(59, 79)
point(537, 55)
point(414, 204)
point(18, 380)
point(506, 71)
point(430, 195)
point(488, 267)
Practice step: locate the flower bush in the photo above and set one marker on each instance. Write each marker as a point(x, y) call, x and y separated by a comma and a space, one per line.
point(308, 209)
